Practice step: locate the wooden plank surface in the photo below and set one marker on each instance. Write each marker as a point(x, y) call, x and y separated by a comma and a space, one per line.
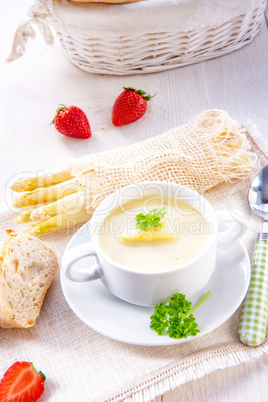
point(244, 383)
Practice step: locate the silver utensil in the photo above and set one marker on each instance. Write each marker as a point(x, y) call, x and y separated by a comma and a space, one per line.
point(252, 327)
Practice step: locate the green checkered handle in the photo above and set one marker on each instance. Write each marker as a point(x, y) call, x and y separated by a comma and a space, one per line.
point(252, 327)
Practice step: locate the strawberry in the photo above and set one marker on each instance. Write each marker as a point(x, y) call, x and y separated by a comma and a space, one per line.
point(72, 121)
point(129, 106)
point(21, 383)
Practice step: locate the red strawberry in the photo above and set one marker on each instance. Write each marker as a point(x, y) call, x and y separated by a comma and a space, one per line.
point(72, 121)
point(129, 106)
point(21, 383)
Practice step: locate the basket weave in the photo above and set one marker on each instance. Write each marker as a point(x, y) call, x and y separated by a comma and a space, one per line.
point(154, 52)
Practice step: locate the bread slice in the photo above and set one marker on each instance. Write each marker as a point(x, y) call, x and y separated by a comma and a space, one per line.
point(27, 267)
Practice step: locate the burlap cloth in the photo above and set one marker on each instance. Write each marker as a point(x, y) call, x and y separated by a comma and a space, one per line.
point(82, 365)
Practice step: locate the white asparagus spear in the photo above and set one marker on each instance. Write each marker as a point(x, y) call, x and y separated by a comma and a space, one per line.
point(46, 194)
point(57, 222)
point(24, 217)
point(43, 179)
point(70, 205)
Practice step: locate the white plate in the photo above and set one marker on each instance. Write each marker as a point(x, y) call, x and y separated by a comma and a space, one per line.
point(129, 323)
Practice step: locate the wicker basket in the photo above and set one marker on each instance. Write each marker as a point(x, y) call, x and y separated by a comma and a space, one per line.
point(147, 52)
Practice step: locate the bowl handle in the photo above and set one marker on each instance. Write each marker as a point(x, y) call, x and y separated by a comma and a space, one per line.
point(232, 233)
point(77, 253)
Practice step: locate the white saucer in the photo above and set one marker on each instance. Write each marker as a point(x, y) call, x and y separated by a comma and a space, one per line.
point(129, 323)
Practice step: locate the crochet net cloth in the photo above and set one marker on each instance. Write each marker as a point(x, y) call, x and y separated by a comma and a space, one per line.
point(212, 148)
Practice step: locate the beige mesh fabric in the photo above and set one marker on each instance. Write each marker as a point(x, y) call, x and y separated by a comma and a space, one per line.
point(210, 149)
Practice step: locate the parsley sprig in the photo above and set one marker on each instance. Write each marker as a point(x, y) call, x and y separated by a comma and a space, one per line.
point(150, 220)
point(175, 318)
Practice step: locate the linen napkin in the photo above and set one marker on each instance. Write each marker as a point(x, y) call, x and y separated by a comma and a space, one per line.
point(82, 365)
point(148, 16)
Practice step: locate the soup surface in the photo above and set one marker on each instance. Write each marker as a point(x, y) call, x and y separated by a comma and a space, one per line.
point(186, 234)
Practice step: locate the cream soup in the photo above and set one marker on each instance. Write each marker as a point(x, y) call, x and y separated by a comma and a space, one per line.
point(186, 229)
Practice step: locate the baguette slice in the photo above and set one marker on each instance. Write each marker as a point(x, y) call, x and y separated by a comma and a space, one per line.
point(27, 267)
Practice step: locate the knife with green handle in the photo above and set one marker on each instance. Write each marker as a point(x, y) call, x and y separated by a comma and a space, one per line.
point(252, 327)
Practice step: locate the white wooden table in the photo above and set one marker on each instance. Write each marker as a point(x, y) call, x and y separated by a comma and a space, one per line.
point(33, 86)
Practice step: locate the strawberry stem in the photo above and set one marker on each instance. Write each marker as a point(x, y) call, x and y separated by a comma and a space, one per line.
point(146, 96)
point(60, 109)
point(38, 372)
point(42, 375)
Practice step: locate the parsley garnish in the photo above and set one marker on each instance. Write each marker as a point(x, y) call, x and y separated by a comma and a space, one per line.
point(175, 318)
point(150, 220)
